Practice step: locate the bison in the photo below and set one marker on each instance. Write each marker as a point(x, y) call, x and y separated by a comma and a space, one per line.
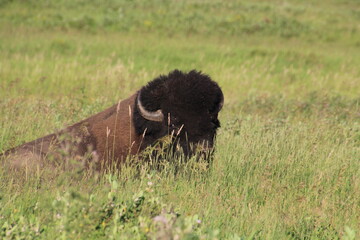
point(184, 106)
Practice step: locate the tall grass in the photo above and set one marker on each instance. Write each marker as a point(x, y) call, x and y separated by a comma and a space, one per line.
point(286, 164)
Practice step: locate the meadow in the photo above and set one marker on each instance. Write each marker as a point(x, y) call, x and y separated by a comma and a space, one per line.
point(287, 160)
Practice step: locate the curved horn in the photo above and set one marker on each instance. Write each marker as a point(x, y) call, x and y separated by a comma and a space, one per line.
point(156, 116)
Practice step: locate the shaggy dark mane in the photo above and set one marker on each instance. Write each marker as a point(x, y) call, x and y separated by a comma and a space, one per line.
point(190, 94)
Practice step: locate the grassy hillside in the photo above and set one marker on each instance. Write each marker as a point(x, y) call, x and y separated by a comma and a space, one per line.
point(287, 156)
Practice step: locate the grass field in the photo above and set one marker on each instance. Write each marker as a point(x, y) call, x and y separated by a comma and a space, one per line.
point(287, 161)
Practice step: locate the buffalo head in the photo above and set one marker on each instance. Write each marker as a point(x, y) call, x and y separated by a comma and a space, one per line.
point(182, 105)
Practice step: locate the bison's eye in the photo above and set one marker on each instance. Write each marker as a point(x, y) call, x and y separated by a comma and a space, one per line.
point(213, 116)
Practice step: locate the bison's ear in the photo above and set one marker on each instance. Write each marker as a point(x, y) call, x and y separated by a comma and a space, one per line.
point(150, 99)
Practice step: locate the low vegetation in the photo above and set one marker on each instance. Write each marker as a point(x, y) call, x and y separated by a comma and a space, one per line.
point(286, 164)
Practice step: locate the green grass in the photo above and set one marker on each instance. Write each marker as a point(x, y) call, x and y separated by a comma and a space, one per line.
point(287, 156)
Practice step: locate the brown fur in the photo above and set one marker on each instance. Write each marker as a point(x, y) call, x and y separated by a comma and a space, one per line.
point(110, 132)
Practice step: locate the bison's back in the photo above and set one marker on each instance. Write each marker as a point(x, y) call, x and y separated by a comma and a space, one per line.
point(31, 154)
point(107, 136)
